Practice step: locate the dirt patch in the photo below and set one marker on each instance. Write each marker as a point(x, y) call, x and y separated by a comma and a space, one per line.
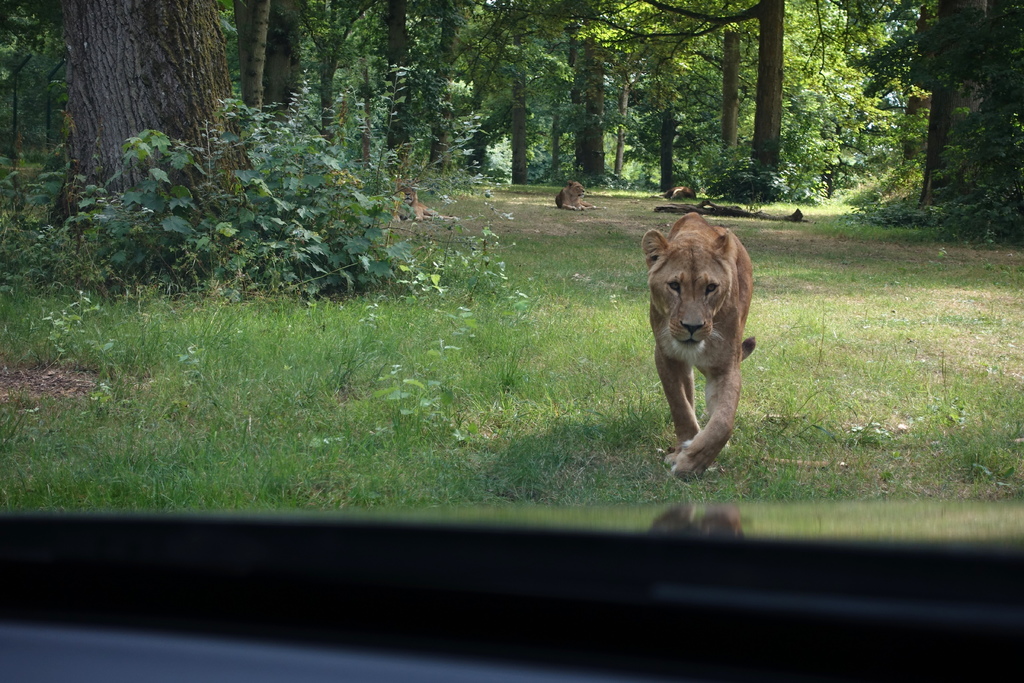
point(43, 381)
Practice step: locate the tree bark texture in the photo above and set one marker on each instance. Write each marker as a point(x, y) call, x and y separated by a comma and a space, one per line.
point(326, 70)
point(590, 138)
point(768, 116)
point(556, 146)
point(946, 101)
point(730, 88)
point(283, 70)
point(252, 19)
point(620, 138)
point(668, 138)
point(141, 64)
point(441, 129)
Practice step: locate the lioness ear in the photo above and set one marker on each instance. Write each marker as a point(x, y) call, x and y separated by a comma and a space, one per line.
point(726, 243)
point(654, 245)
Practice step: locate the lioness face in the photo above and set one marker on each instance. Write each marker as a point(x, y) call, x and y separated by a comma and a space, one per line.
point(408, 193)
point(689, 282)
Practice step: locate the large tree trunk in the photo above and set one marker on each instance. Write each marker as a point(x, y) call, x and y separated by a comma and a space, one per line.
point(620, 138)
point(668, 138)
point(768, 116)
point(141, 64)
point(730, 88)
point(326, 71)
point(915, 103)
point(397, 57)
point(441, 138)
point(590, 139)
point(946, 102)
point(556, 147)
point(252, 20)
point(283, 69)
point(519, 124)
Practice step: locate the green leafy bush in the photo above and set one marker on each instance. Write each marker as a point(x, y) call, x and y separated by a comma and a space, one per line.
point(738, 177)
point(297, 219)
point(300, 219)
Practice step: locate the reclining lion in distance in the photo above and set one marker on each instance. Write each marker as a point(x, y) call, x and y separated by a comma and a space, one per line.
point(571, 197)
point(701, 282)
point(417, 209)
point(681, 192)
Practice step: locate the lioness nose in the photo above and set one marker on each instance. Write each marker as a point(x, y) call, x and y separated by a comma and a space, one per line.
point(692, 328)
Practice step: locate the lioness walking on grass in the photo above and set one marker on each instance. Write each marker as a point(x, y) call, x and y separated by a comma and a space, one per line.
point(701, 282)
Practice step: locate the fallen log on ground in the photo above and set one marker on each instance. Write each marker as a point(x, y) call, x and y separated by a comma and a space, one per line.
point(706, 208)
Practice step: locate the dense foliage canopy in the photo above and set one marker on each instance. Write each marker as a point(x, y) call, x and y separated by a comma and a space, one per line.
point(918, 105)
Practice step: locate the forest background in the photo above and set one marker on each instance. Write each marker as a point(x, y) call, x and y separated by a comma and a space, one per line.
point(911, 110)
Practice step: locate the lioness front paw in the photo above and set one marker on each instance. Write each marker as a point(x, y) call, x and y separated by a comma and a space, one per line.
point(673, 453)
point(688, 461)
point(685, 467)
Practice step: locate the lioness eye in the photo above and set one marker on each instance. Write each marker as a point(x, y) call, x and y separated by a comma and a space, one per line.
point(710, 289)
point(674, 286)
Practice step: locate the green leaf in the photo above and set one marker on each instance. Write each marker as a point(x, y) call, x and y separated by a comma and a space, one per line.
point(153, 202)
point(402, 251)
point(357, 245)
point(176, 224)
point(378, 268)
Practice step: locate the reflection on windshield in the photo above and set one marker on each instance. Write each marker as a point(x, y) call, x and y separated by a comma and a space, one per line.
point(945, 522)
point(715, 520)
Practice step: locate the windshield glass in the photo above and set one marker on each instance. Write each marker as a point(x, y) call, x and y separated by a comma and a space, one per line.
point(565, 282)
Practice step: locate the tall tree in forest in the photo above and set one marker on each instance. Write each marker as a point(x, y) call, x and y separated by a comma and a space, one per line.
point(667, 146)
point(328, 25)
point(451, 18)
point(283, 72)
point(770, 15)
point(916, 103)
point(947, 98)
point(397, 57)
point(627, 67)
point(590, 136)
point(768, 113)
point(141, 64)
point(252, 18)
point(620, 134)
point(519, 175)
point(730, 87)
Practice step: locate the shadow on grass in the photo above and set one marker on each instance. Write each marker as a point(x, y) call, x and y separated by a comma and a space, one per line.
point(585, 459)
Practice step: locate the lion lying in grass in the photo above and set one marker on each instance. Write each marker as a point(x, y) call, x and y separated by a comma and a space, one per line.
point(681, 192)
point(701, 281)
point(417, 209)
point(571, 197)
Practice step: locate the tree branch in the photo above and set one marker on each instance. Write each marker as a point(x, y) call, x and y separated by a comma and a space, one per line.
point(746, 14)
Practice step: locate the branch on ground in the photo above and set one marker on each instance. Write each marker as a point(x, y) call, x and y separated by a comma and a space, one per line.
point(706, 208)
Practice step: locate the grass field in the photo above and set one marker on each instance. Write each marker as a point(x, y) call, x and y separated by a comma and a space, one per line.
point(887, 368)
